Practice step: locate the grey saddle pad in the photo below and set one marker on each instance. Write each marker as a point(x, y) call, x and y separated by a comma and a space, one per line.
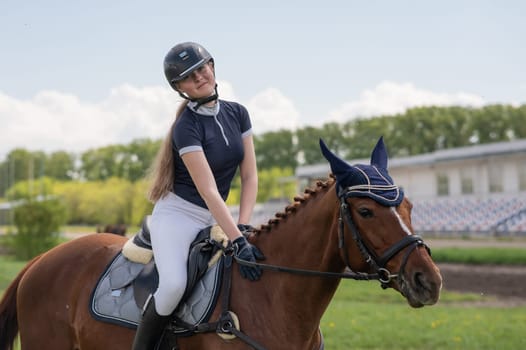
point(113, 298)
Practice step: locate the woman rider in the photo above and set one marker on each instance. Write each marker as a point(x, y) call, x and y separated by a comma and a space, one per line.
point(192, 175)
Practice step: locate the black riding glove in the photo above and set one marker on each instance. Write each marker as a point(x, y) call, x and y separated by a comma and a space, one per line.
point(246, 251)
point(244, 228)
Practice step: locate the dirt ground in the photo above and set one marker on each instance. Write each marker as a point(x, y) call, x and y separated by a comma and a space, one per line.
point(499, 285)
point(503, 286)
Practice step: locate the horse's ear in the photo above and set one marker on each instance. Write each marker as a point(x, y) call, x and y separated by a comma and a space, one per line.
point(379, 155)
point(339, 167)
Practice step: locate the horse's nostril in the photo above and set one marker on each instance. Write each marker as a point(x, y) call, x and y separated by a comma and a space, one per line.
point(420, 280)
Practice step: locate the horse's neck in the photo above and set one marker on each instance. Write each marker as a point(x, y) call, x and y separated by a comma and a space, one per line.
point(305, 239)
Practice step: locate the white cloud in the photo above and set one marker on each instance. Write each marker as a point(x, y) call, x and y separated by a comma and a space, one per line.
point(389, 98)
point(226, 91)
point(139, 112)
point(270, 110)
point(53, 120)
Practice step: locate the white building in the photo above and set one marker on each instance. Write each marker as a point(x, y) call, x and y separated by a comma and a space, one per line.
point(471, 189)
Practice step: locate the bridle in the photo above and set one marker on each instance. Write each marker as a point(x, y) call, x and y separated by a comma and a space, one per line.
point(377, 264)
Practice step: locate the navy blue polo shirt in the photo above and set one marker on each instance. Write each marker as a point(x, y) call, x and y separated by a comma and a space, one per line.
point(220, 137)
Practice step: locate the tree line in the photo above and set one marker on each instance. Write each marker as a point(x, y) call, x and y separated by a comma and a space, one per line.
point(418, 130)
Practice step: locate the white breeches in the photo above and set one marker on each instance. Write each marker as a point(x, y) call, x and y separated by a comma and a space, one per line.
point(174, 225)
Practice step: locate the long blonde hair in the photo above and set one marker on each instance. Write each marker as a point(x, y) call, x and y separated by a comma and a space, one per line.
point(162, 173)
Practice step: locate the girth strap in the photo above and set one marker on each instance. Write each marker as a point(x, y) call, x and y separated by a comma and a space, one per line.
point(226, 325)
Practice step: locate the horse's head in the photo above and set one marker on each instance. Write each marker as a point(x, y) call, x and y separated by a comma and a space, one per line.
point(376, 220)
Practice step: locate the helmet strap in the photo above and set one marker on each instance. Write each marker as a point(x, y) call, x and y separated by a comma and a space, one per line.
point(200, 101)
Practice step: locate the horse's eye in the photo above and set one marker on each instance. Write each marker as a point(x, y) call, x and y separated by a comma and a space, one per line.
point(365, 213)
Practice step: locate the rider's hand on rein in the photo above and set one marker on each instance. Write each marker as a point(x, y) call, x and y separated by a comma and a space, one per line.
point(248, 252)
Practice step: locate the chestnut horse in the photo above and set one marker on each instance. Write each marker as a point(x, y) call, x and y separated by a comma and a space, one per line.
point(329, 233)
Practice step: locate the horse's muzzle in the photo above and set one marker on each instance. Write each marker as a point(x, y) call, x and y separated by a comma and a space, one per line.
point(419, 287)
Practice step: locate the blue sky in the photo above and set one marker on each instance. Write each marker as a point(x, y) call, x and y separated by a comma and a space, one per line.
point(81, 74)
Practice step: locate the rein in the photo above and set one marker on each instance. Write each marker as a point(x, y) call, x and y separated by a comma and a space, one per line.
point(348, 275)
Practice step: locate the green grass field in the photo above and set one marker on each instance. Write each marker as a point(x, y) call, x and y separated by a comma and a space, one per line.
point(363, 316)
point(9, 268)
point(481, 255)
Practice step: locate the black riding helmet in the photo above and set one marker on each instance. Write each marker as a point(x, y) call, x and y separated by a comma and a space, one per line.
point(181, 61)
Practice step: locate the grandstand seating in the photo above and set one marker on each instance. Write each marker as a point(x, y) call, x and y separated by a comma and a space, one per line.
point(498, 214)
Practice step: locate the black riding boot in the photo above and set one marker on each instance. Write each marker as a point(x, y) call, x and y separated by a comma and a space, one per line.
point(151, 327)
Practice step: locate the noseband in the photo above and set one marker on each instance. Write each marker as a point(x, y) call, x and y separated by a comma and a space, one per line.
point(378, 264)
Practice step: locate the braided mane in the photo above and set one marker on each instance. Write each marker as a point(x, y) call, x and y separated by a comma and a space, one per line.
point(299, 201)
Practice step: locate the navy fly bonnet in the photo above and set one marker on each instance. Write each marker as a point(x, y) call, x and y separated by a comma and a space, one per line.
point(363, 180)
